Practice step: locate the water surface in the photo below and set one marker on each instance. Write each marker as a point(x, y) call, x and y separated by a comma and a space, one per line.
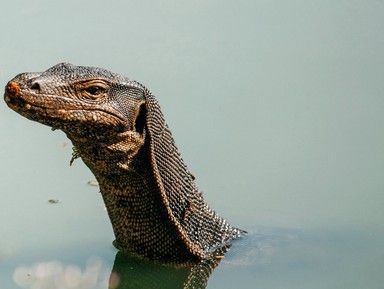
point(276, 106)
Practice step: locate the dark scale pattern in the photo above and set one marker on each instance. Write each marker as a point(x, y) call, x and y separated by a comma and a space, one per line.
point(200, 227)
point(118, 129)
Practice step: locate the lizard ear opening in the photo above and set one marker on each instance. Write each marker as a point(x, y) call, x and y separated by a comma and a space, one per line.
point(141, 119)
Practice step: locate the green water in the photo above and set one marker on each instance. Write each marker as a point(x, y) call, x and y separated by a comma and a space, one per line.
point(276, 106)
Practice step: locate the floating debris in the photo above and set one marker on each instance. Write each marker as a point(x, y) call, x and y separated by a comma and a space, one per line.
point(53, 201)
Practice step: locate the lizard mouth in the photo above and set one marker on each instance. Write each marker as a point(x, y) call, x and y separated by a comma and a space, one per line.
point(59, 112)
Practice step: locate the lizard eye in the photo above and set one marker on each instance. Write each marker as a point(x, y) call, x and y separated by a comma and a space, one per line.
point(95, 90)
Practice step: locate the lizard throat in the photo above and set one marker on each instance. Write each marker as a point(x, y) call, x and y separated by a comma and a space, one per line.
point(108, 156)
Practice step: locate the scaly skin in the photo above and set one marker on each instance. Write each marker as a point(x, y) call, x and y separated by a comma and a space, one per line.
point(117, 128)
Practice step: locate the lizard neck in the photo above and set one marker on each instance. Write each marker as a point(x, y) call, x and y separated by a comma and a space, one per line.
point(134, 204)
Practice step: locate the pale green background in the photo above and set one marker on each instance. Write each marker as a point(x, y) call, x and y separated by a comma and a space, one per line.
point(277, 107)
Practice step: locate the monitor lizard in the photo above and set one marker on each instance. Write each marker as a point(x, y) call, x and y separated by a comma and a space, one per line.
point(117, 128)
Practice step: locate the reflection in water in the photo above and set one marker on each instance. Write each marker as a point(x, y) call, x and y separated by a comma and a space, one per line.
point(136, 273)
point(55, 275)
point(128, 272)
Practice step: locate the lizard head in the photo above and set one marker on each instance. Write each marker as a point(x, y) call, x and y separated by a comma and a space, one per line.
point(81, 101)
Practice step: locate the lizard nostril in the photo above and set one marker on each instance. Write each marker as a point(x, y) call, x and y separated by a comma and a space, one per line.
point(35, 86)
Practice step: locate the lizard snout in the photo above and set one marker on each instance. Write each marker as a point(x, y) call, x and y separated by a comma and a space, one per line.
point(13, 95)
point(12, 89)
